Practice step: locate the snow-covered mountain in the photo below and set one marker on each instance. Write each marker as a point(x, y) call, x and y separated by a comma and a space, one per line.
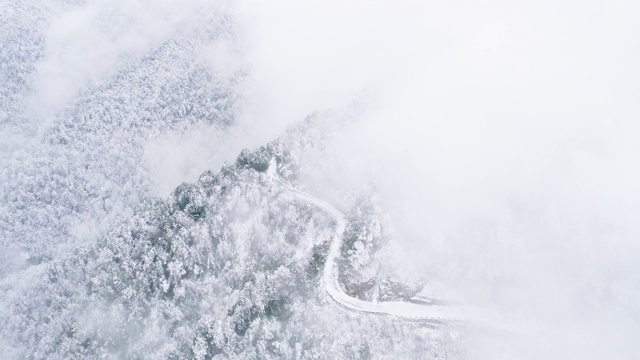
point(231, 266)
point(445, 187)
point(228, 266)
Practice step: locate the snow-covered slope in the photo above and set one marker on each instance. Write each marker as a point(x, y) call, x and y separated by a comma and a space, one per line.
point(85, 162)
point(230, 266)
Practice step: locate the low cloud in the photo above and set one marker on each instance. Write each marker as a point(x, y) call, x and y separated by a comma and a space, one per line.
point(85, 42)
point(501, 136)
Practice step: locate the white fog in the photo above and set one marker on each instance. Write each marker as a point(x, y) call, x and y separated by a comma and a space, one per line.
point(305, 179)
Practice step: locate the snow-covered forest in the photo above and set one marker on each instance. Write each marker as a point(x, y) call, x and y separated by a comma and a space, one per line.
point(268, 180)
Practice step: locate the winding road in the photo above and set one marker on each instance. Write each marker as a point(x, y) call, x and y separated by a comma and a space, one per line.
point(436, 314)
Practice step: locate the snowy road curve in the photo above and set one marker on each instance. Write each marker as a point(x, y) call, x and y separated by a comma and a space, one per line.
point(428, 313)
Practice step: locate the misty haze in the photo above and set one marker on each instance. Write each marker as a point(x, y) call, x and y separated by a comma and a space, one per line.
point(250, 179)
